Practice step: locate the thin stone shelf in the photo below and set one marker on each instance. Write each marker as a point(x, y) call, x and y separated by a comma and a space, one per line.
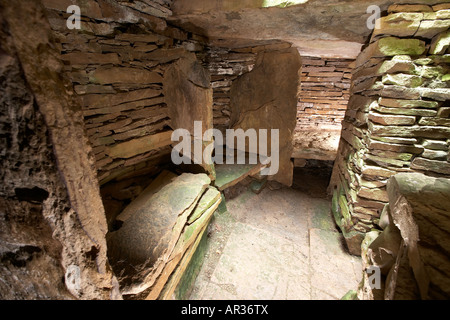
point(231, 173)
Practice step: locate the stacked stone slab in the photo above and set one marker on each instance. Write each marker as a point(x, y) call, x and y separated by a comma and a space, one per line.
point(397, 119)
point(225, 65)
point(116, 63)
point(325, 89)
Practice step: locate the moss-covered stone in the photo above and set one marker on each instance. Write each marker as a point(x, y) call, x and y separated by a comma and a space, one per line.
point(440, 43)
point(408, 112)
point(431, 72)
point(398, 64)
point(399, 103)
point(423, 61)
point(435, 144)
point(429, 121)
point(430, 28)
point(442, 167)
point(350, 295)
point(345, 212)
point(401, 24)
point(392, 46)
point(398, 120)
point(435, 154)
point(187, 281)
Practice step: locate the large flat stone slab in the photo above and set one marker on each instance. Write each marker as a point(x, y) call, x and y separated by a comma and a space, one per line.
point(266, 98)
point(257, 264)
point(333, 271)
point(140, 249)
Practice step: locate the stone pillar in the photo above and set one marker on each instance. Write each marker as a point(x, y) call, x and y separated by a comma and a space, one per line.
point(266, 98)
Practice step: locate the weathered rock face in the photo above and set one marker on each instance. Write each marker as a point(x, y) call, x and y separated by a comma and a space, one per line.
point(266, 98)
point(53, 229)
point(412, 250)
point(26, 201)
point(396, 118)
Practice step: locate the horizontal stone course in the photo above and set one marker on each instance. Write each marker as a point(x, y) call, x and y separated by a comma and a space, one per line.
point(397, 118)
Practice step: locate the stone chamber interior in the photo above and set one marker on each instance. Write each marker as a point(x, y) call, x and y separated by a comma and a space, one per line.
point(94, 207)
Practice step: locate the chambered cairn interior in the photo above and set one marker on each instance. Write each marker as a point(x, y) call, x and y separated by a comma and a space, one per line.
point(142, 141)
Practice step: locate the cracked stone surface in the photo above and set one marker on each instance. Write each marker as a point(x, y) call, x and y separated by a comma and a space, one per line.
point(280, 244)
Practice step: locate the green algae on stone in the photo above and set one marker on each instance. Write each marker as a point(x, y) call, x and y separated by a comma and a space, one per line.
point(350, 295)
point(210, 196)
point(229, 174)
point(392, 46)
point(407, 80)
point(192, 270)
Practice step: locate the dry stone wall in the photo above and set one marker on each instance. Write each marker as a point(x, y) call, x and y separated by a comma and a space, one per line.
point(325, 90)
point(397, 118)
point(116, 63)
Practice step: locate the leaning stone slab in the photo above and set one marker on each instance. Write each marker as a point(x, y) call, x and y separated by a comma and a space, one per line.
point(140, 249)
point(190, 233)
point(163, 179)
point(420, 209)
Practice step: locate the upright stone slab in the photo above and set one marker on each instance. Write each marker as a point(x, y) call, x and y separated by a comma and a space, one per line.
point(188, 95)
point(266, 98)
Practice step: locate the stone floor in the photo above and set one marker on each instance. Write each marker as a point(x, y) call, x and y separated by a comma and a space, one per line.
point(280, 244)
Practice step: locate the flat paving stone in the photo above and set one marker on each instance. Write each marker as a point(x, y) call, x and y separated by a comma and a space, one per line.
point(280, 244)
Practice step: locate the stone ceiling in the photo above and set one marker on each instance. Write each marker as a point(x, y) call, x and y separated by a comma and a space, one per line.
point(322, 28)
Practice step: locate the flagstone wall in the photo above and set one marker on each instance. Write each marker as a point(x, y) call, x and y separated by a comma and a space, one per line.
point(397, 118)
